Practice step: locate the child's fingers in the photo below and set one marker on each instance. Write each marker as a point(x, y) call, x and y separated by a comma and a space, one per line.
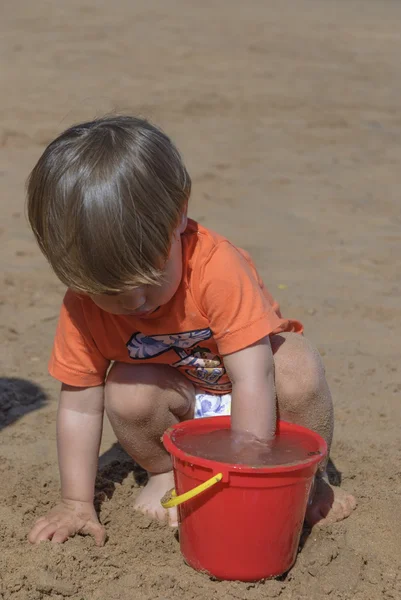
point(36, 529)
point(61, 535)
point(97, 531)
point(45, 533)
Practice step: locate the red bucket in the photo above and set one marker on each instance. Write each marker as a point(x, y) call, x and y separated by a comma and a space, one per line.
point(239, 522)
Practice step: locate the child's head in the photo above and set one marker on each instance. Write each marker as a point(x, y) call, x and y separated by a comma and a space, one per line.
point(105, 201)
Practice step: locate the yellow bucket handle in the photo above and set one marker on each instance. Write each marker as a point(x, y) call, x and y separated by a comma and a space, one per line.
point(174, 500)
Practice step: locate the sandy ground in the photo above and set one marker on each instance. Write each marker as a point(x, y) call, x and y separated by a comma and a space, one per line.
point(288, 115)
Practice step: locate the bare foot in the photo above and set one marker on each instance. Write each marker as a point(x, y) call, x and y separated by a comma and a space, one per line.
point(148, 501)
point(329, 504)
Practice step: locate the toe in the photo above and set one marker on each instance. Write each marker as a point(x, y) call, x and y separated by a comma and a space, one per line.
point(352, 502)
point(348, 506)
point(173, 517)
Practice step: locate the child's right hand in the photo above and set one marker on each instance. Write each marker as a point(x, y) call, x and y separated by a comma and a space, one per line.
point(65, 520)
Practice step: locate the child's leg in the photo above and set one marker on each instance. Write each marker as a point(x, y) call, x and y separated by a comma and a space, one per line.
point(142, 401)
point(304, 398)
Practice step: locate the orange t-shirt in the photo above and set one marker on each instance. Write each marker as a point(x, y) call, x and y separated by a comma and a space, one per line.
point(220, 307)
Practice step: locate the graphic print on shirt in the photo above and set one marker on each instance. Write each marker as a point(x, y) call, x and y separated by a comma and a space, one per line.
point(202, 365)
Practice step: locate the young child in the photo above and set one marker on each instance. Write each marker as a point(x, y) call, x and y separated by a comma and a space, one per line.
point(163, 320)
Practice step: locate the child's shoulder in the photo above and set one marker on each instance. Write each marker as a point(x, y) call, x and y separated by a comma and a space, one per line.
point(210, 256)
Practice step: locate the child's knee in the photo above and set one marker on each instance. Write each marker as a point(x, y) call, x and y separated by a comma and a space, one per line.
point(299, 373)
point(139, 392)
point(125, 398)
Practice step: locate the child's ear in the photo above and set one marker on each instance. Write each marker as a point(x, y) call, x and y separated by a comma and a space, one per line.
point(184, 219)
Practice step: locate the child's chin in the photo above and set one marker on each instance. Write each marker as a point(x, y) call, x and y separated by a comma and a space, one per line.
point(144, 315)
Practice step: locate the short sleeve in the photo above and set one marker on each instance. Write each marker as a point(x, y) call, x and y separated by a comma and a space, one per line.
point(232, 297)
point(75, 359)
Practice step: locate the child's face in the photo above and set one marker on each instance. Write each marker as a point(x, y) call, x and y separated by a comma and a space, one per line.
point(143, 300)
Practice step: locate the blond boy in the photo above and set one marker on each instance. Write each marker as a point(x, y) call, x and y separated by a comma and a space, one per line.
point(163, 321)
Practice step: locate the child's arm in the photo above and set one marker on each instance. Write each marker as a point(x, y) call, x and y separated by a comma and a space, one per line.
point(253, 408)
point(79, 430)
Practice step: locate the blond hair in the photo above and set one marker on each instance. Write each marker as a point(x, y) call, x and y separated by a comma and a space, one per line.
point(104, 200)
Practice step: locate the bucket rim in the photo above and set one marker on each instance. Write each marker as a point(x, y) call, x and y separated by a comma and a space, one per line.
point(216, 466)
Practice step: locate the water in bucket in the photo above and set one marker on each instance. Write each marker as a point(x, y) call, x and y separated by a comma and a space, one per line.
point(225, 446)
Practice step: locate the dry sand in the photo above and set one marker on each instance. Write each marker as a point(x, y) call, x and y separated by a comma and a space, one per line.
point(288, 115)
